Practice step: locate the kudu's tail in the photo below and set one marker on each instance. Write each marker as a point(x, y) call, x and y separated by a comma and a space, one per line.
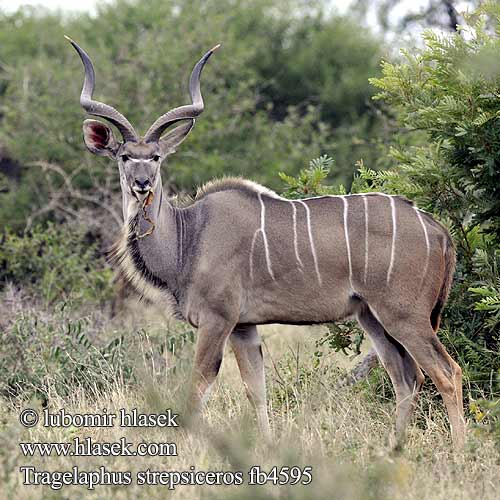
point(449, 268)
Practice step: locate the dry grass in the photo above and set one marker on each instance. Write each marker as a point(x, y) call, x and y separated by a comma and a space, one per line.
point(344, 435)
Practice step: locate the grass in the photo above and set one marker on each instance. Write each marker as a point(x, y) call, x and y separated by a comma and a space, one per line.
point(344, 434)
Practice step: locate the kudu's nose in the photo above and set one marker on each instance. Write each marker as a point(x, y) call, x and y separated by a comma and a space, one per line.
point(142, 183)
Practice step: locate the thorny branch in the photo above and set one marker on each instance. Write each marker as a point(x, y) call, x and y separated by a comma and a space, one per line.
point(62, 195)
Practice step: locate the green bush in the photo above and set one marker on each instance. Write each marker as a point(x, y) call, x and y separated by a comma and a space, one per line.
point(288, 83)
point(55, 264)
point(449, 91)
point(40, 356)
point(487, 418)
point(56, 352)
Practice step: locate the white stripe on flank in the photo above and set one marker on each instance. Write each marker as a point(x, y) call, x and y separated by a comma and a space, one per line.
point(428, 246)
point(346, 234)
point(264, 236)
point(295, 240)
point(254, 239)
point(394, 233)
point(365, 202)
point(311, 241)
point(181, 242)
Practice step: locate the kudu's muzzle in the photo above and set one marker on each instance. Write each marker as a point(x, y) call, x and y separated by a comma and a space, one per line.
point(142, 185)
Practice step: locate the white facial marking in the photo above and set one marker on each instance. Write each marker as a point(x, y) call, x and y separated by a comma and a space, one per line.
point(365, 203)
point(135, 160)
point(346, 234)
point(295, 240)
point(394, 234)
point(311, 241)
point(428, 246)
point(264, 236)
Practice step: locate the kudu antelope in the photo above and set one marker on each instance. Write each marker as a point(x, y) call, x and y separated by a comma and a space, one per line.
point(240, 256)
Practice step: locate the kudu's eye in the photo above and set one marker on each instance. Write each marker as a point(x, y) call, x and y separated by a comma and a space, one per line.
point(125, 157)
point(156, 158)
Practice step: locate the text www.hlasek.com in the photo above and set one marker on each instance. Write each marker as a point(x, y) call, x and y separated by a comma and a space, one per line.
point(89, 448)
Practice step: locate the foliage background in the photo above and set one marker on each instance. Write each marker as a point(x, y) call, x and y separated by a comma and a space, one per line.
point(288, 84)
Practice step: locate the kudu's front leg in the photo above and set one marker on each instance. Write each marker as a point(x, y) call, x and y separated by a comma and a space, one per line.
point(246, 345)
point(213, 332)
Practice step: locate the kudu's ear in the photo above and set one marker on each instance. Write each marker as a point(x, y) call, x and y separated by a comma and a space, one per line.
point(99, 138)
point(170, 141)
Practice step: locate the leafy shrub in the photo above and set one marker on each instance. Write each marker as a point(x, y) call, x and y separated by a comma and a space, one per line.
point(487, 418)
point(311, 181)
point(487, 292)
point(344, 337)
point(56, 264)
point(42, 355)
point(54, 353)
point(449, 91)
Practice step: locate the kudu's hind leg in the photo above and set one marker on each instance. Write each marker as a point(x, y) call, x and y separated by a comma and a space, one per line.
point(246, 345)
point(420, 340)
point(406, 376)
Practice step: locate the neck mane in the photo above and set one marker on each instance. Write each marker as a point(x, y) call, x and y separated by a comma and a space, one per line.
point(150, 263)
